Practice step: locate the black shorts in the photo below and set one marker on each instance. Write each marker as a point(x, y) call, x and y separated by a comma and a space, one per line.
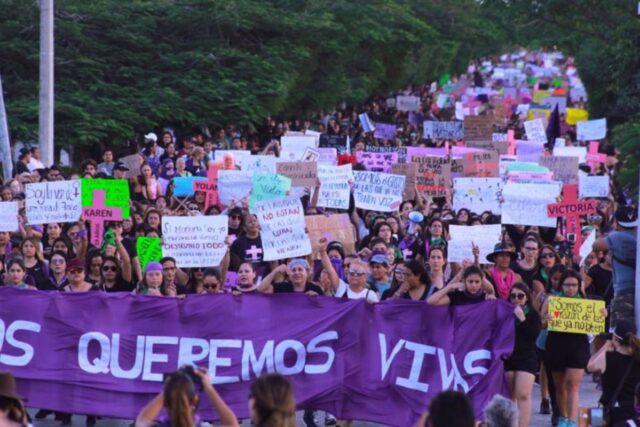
point(525, 365)
point(565, 350)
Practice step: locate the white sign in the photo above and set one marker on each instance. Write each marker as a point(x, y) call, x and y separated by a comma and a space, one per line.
point(477, 194)
point(282, 228)
point(195, 241)
point(377, 191)
point(334, 186)
point(535, 131)
point(407, 103)
point(591, 129)
point(367, 125)
point(56, 201)
point(9, 216)
point(292, 148)
point(234, 185)
point(593, 186)
point(260, 163)
point(587, 246)
point(526, 204)
point(484, 236)
point(528, 151)
point(579, 152)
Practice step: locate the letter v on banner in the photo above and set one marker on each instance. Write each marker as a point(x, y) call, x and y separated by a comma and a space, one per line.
point(571, 209)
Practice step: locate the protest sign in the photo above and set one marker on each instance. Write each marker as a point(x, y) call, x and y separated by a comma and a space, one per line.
point(336, 227)
point(425, 151)
point(579, 152)
point(310, 155)
point(552, 101)
point(328, 156)
point(339, 142)
point(477, 194)
point(367, 124)
point(315, 339)
point(266, 186)
point(195, 241)
point(526, 204)
point(480, 164)
point(97, 215)
point(381, 192)
point(535, 131)
point(183, 186)
point(564, 168)
point(442, 130)
point(54, 201)
point(260, 163)
point(377, 162)
point(576, 315)
point(385, 131)
point(334, 186)
point(483, 236)
point(587, 246)
point(575, 115)
point(282, 228)
point(594, 186)
point(234, 185)
point(528, 151)
point(302, 174)
point(210, 186)
point(148, 249)
point(478, 131)
point(591, 129)
point(402, 151)
point(594, 157)
point(407, 103)
point(133, 163)
point(409, 171)
point(433, 177)
point(9, 216)
point(571, 209)
point(292, 148)
point(116, 193)
point(527, 177)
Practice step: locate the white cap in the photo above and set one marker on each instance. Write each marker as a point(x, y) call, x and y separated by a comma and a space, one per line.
point(152, 136)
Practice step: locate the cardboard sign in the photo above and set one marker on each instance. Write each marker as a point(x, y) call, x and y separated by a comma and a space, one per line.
point(402, 151)
point(385, 131)
point(236, 157)
point(591, 129)
point(195, 241)
point(535, 131)
point(564, 168)
point(477, 194)
point(526, 204)
point(333, 228)
point(442, 130)
point(409, 171)
point(234, 185)
point(282, 228)
point(481, 164)
point(293, 147)
point(478, 131)
point(433, 177)
point(576, 315)
point(425, 151)
point(133, 162)
point(148, 249)
point(407, 103)
point(339, 142)
point(116, 193)
point(594, 186)
point(55, 201)
point(334, 186)
point(302, 174)
point(9, 216)
point(377, 162)
point(381, 192)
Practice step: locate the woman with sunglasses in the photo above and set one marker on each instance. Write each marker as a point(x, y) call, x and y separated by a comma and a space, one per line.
point(58, 269)
point(567, 354)
point(113, 279)
point(521, 367)
point(212, 282)
point(548, 259)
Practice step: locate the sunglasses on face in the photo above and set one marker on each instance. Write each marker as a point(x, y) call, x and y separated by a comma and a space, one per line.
point(109, 268)
point(357, 273)
point(518, 296)
point(206, 286)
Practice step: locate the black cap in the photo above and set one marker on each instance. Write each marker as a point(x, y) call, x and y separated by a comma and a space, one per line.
point(627, 216)
point(119, 166)
point(623, 329)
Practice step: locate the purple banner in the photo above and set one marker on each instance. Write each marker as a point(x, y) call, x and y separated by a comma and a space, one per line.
point(105, 354)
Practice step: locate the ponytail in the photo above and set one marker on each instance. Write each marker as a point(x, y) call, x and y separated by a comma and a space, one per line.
point(179, 396)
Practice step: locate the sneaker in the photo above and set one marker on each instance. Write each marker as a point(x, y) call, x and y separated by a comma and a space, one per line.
point(545, 407)
point(42, 414)
point(563, 422)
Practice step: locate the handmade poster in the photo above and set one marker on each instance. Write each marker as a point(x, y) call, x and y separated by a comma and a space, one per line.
point(575, 115)
point(528, 151)
point(425, 151)
point(233, 185)
point(339, 142)
point(477, 194)
point(328, 156)
point(591, 129)
point(579, 152)
point(381, 192)
point(481, 164)
point(116, 193)
point(183, 186)
point(529, 177)
point(535, 131)
point(587, 246)
point(133, 162)
point(266, 186)
point(9, 216)
point(442, 130)
point(367, 124)
point(260, 163)
point(385, 131)
point(402, 151)
point(594, 186)
point(483, 236)
point(576, 315)
point(407, 103)
point(409, 171)
point(564, 168)
point(478, 131)
point(282, 228)
point(302, 174)
point(292, 148)
point(334, 186)
point(336, 227)
point(377, 162)
point(433, 177)
point(526, 204)
point(148, 249)
point(54, 201)
point(195, 241)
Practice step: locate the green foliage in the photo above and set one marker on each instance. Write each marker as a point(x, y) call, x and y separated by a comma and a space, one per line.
point(626, 138)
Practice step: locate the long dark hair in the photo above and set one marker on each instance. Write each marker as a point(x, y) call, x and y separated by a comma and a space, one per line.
point(418, 269)
point(524, 288)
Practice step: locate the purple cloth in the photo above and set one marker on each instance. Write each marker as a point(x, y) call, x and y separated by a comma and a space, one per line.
point(105, 354)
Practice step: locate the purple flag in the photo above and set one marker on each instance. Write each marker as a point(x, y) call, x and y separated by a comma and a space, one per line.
point(105, 354)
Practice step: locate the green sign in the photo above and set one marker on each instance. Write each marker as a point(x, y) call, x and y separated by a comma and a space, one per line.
point(268, 186)
point(149, 249)
point(116, 193)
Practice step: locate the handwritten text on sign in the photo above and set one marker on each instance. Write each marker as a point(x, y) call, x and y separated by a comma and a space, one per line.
point(195, 241)
point(434, 175)
point(380, 192)
point(282, 228)
point(580, 316)
point(334, 186)
point(57, 201)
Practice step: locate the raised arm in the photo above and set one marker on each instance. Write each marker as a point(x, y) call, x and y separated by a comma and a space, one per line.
point(326, 264)
point(266, 285)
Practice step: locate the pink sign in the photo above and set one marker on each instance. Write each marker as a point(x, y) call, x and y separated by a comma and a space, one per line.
point(377, 162)
point(97, 215)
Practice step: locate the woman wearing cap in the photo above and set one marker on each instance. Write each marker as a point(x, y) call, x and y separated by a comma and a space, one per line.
point(76, 278)
point(619, 363)
point(567, 354)
point(501, 276)
point(298, 273)
point(152, 280)
point(12, 411)
point(473, 289)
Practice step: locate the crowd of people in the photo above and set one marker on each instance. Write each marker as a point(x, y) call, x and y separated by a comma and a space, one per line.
point(394, 256)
